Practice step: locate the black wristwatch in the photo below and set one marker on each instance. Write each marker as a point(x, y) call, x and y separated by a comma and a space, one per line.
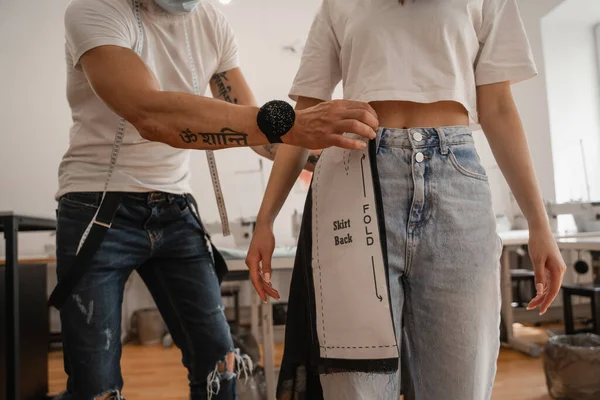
point(275, 119)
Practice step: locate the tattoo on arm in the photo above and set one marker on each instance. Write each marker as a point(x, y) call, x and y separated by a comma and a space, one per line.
point(312, 159)
point(271, 150)
point(223, 88)
point(226, 137)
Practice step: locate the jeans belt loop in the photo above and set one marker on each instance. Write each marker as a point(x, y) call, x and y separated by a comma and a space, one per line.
point(443, 141)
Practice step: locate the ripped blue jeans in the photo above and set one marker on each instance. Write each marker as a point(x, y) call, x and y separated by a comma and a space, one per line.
point(157, 235)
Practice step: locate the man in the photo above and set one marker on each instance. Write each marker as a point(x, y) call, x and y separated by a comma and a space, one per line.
point(136, 70)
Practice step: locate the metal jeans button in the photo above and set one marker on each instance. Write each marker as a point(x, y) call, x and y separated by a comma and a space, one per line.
point(419, 157)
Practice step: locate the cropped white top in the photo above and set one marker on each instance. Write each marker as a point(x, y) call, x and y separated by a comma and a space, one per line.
point(424, 51)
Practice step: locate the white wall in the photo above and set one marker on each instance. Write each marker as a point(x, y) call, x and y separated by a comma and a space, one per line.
point(531, 97)
point(532, 102)
point(597, 36)
point(33, 108)
point(574, 97)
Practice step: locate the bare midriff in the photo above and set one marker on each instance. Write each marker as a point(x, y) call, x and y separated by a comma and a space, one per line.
point(405, 114)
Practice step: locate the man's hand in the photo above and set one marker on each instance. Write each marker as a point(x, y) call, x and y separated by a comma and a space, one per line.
point(323, 125)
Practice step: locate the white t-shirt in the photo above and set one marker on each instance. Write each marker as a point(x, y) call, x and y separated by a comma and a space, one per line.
point(424, 51)
point(142, 165)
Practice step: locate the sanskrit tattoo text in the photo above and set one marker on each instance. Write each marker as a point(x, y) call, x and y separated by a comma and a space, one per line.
point(223, 87)
point(226, 137)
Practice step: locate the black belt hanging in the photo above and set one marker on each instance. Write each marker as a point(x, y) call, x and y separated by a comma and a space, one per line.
point(100, 225)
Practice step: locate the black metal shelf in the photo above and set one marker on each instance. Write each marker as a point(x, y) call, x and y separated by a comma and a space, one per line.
point(12, 224)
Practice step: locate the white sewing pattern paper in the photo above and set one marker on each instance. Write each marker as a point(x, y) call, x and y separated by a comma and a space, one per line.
point(353, 313)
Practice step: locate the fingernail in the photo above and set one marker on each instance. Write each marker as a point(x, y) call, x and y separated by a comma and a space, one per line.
point(362, 145)
point(268, 277)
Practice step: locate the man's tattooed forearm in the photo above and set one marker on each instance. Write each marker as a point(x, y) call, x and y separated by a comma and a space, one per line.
point(224, 90)
point(226, 137)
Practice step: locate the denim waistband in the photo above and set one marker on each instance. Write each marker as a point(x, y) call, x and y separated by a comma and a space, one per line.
point(424, 137)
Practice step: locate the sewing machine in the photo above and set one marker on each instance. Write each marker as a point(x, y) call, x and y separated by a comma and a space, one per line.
point(585, 214)
point(241, 230)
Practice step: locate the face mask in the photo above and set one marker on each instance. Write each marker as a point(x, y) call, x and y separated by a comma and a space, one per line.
point(178, 6)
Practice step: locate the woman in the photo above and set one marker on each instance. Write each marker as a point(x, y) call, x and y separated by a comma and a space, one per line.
point(429, 69)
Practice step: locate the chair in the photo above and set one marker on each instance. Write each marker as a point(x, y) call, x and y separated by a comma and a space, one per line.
point(520, 276)
point(232, 290)
point(590, 290)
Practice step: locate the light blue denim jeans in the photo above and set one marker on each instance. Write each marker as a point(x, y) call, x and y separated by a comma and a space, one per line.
point(444, 269)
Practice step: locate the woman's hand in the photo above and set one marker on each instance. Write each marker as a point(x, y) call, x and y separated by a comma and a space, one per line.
point(549, 268)
point(503, 128)
point(261, 252)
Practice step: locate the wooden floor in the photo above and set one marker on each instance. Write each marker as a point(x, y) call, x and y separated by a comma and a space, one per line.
point(156, 373)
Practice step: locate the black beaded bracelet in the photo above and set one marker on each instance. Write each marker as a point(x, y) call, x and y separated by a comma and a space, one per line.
point(275, 119)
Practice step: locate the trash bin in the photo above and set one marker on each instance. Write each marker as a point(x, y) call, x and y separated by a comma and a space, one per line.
point(572, 366)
